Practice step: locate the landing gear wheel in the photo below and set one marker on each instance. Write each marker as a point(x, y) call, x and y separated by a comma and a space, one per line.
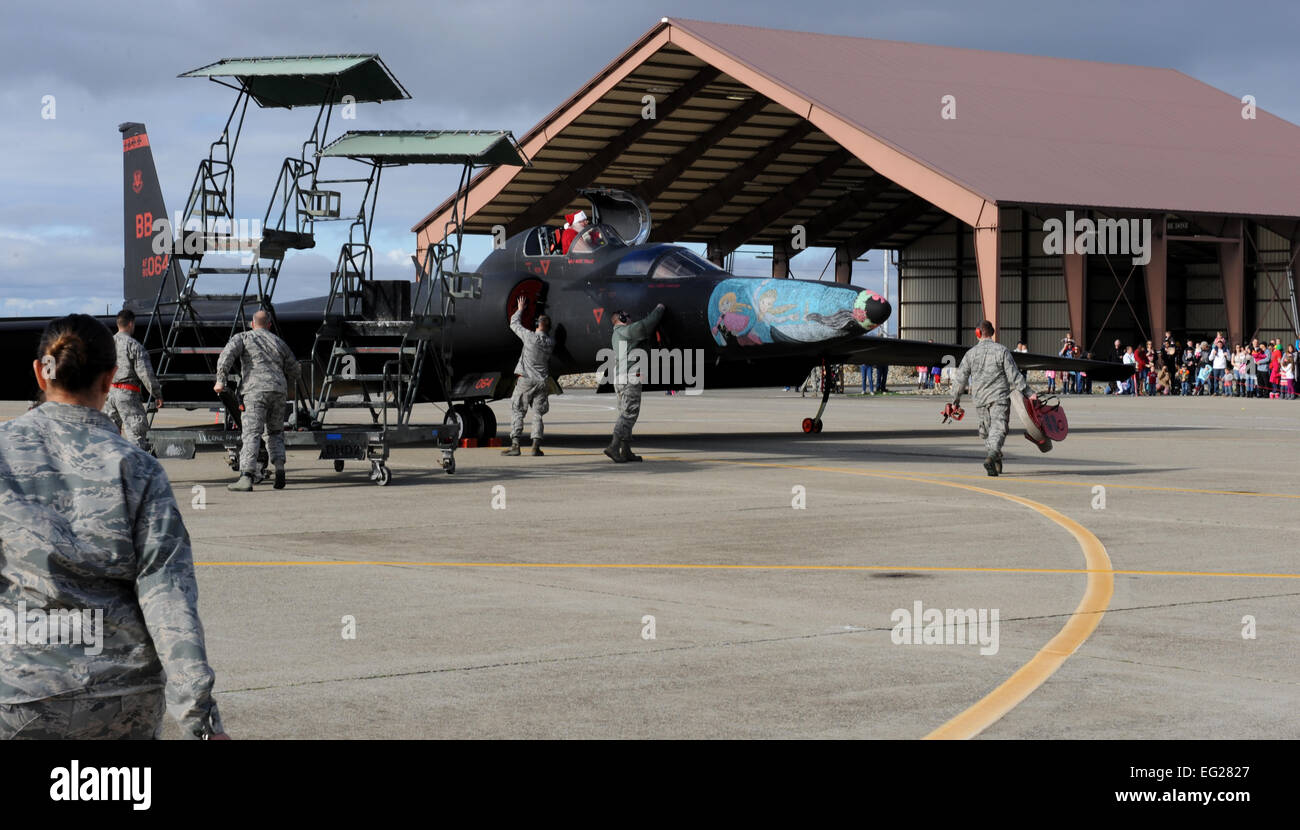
point(338, 465)
point(809, 425)
point(464, 415)
point(817, 424)
point(487, 421)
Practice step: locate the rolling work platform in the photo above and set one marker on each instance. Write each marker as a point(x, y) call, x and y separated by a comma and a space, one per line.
point(381, 345)
point(233, 264)
point(386, 343)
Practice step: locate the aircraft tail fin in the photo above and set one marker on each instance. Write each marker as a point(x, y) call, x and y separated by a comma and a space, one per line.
point(143, 269)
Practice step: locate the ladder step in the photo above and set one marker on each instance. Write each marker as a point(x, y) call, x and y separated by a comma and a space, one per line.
point(195, 349)
point(206, 269)
point(201, 324)
point(179, 376)
point(370, 376)
point(364, 350)
point(189, 405)
point(244, 297)
point(360, 404)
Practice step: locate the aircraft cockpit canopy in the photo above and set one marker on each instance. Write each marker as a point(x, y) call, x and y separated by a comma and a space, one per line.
point(594, 238)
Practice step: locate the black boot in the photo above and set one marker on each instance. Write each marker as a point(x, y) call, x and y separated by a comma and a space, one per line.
point(613, 451)
point(279, 477)
point(514, 449)
point(991, 466)
point(625, 450)
point(537, 447)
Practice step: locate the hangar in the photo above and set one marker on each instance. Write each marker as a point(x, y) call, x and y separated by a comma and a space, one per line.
point(953, 158)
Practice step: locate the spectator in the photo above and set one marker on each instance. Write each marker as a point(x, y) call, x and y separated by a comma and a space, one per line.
point(1287, 366)
point(1184, 380)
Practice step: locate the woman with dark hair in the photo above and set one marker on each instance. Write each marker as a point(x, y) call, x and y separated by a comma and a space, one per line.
point(98, 603)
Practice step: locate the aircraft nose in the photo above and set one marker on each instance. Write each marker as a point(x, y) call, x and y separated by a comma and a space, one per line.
point(873, 309)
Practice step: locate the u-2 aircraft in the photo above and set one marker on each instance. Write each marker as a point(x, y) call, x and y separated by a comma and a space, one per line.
point(751, 331)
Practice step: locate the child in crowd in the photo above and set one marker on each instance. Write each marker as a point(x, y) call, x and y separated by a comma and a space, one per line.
point(1184, 380)
point(1051, 380)
point(1202, 380)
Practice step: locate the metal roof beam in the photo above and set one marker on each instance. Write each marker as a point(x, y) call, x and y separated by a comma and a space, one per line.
point(715, 197)
point(566, 190)
point(688, 155)
point(780, 204)
point(848, 206)
point(886, 226)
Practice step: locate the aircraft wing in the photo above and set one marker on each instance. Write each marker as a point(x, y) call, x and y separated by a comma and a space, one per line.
point(894, 352)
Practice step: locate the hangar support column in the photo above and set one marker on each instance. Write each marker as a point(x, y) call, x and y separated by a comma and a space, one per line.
point(780, 261)
point(1076, 295)
point(988, 255)
point(843, 265)
point(1157, 279)
point(1232, 268)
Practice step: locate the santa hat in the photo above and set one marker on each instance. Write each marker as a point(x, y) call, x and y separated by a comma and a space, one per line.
point(580, 216)
point(568, 221)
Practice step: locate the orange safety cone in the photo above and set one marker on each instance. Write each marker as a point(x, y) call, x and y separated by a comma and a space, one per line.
point(468, 443)
point(495, 442)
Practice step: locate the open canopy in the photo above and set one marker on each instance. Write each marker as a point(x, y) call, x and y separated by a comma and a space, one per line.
point(473, 147)
point(307, 80)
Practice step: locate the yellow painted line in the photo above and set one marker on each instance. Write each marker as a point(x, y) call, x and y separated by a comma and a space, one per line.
point(1009, 477)
point(704, 566)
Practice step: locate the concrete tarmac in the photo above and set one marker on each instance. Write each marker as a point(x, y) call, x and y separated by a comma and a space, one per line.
point(512, 598)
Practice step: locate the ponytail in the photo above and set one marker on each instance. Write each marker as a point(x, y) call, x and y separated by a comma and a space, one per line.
point(74, 352)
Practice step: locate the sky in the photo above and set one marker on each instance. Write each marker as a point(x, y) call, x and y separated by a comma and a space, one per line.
point(487, 64)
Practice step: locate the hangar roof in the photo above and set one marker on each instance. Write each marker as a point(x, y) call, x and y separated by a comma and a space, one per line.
point(759, 129)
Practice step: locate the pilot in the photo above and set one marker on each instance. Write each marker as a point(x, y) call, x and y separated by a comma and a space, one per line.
point(992, 373)
point(268, 370)
point(134, 372)
point(531, 374)
point(95, 546)
point(627, 337)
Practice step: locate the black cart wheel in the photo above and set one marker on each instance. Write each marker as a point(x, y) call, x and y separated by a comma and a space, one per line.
point(338, 465)
point(808, 424)
point(817, 425)
point(383, 475)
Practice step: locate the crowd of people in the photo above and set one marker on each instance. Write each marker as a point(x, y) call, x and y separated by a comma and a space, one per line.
point(1260, 369)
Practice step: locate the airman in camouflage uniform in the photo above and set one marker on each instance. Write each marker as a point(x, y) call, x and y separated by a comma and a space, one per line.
point(626, 338)
point(992, 374)
point(268, 372)
point(88, 523)
point(134, 374)
point(531, 374)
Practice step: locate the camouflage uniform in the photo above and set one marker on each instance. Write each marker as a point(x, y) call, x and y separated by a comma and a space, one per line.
point(532, 371)
point(88, 522)
point(123, 405)
point(628, 389)
point(268, 372)
point(992, 373)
